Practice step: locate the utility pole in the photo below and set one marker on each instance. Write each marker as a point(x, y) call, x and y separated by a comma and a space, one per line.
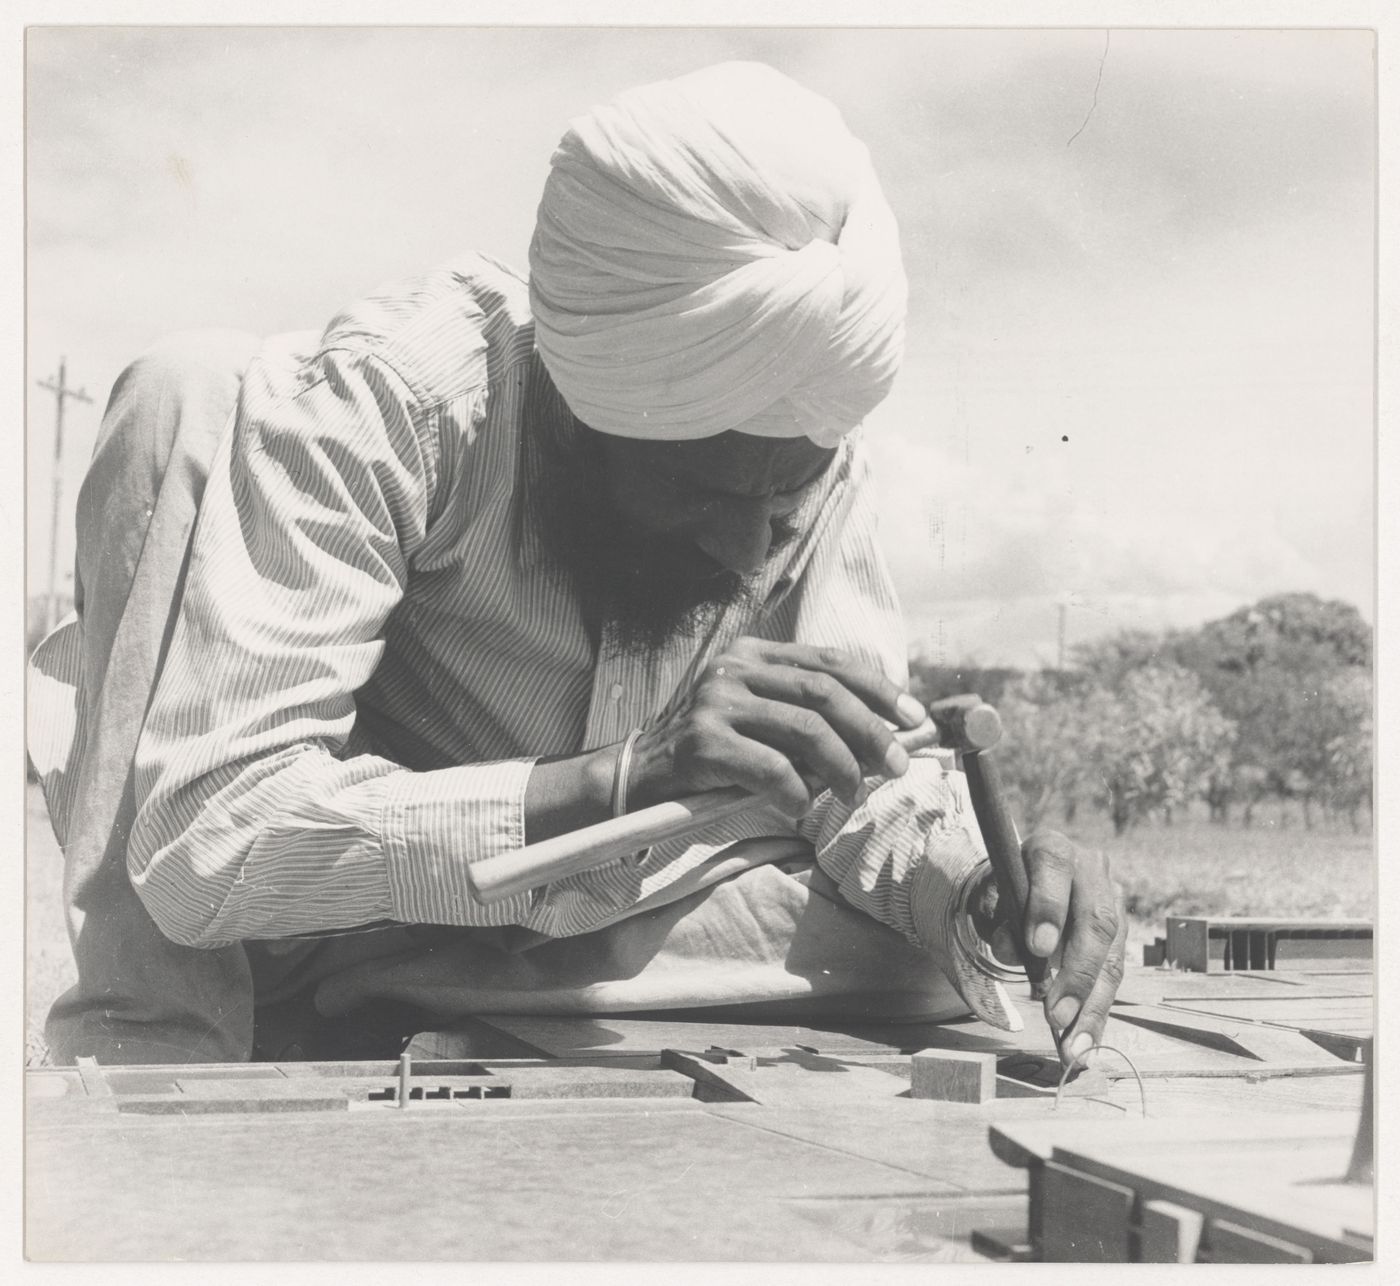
point(59, 388)
point(1060, 654)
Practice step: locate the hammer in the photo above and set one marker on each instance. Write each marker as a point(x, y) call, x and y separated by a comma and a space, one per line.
point(969, 726)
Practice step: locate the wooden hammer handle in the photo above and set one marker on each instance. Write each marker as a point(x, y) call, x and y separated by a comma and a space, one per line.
point(1004, 850)
point(526, 868)
point(972, 728)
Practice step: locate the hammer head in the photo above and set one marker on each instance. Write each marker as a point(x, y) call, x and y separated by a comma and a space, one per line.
point(966, 723)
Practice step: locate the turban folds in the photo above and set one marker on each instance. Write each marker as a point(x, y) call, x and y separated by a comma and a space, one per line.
point(714, 253)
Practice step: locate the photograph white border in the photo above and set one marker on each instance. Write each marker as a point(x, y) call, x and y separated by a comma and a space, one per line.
point(1378, 15)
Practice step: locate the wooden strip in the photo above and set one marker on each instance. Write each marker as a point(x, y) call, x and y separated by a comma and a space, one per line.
point(1252, 1049)
point(788, 1080)
point(1362, 1167)
point(1003, 1245)
point(1313, 950)
point(1274, 1185)
point(1318, 925)
point(1021, 1143)
point(94, 1083)
point(1278, 1008)
point(1084, 1220)
point(608, 1034)
point(1228, 1243)
point(1168, 1233)
point(1227, 943)
point(714, 1081)
point(595, 1082)
point(1347, 1048)
point(183, 1105)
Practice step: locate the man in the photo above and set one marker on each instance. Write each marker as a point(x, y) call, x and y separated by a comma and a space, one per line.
point(482, 563)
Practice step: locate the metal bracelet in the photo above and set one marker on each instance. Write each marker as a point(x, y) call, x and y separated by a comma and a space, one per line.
point(964, 938)
point(621, 768)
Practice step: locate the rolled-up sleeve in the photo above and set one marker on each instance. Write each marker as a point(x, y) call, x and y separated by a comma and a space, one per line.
point(905, 852)
point(253, 821)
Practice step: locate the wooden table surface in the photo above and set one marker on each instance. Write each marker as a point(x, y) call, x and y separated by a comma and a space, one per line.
point(632, 1139)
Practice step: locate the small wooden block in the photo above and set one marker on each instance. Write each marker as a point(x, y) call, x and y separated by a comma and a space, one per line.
point(1009, 1247)
point(1168, 1233)
point(1083, 1220)
point(1231, 1244)
point(953, 1076)
point(1189, 945)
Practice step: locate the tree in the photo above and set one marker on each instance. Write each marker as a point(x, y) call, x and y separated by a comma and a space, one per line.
point(1271, 669)
point(1156, 739)
point(1290, 675)
point(1349, 748)
point(1231, 780)
point(1106, 662)
point(1043, 752)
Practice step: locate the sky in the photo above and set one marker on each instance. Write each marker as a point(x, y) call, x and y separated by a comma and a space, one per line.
point(1139, 375)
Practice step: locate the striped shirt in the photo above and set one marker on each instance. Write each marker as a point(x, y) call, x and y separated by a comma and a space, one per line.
point(373, 648)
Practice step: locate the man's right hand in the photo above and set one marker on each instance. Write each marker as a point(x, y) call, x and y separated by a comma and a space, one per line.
point(765, 716)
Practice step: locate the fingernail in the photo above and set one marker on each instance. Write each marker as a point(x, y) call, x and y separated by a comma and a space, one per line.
point(1065, 1011)
point(896, 760)
point(910, 709)
point(1043, 939)
point(1080, 1045)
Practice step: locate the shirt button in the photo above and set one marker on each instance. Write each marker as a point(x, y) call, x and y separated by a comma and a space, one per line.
point(616, 693)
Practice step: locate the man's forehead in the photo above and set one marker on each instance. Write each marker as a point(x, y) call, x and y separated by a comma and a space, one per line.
point(740, 463)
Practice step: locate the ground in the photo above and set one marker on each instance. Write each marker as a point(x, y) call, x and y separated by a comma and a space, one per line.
point(1276, 868)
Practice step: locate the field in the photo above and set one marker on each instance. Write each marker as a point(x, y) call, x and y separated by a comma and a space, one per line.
point(1276, 868)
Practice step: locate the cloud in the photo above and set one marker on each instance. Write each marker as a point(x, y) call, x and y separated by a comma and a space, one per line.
point(1185, 292)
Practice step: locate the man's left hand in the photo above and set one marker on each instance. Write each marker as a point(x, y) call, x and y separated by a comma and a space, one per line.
point(1075, 916)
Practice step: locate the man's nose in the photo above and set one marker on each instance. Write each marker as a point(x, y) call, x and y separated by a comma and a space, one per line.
point(738, 536)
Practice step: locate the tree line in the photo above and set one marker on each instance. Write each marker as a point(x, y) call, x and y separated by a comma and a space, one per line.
point(1273, 701)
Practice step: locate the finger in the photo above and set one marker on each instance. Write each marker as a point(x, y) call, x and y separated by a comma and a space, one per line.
point(982, 906)
point(1003, 945)
point(1087, 1031)
point(762, 770)
point(983, 902)
point(865, 735)
point(872, 687)
point(806, 739)
point(1091, 929)
point(1051, 861)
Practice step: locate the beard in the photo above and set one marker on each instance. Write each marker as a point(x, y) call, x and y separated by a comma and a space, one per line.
point(650, 587)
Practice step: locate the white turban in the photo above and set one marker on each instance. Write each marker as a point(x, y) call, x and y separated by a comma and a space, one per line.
point(714, 253)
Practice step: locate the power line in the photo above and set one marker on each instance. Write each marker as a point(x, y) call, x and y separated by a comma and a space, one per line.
point(59, 388)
